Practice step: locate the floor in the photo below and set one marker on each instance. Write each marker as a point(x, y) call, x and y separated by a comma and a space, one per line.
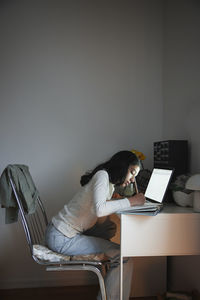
point(50, 293)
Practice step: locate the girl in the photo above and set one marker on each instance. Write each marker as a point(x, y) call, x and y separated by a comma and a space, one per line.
point(80, 229)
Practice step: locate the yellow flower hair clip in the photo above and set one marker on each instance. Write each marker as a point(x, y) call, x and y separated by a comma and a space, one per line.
point(140, 155)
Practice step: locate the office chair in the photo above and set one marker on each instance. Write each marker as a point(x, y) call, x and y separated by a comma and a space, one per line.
point(34, 226)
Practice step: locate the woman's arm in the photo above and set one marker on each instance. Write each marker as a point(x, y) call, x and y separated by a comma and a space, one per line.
point(103, 205)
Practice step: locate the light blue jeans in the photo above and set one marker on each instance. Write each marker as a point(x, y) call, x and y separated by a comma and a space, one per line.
point(91, 242)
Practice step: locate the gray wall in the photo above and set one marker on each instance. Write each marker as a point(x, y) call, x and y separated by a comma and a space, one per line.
point(181, 75)
point(181, 90)
point(80, 80)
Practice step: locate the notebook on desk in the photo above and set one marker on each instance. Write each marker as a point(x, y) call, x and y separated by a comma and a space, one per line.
point(154, 194)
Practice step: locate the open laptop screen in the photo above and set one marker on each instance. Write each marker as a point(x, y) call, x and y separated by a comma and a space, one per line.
point(158, 184)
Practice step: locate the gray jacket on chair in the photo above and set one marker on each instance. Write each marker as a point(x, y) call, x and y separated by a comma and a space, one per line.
point(25, 187)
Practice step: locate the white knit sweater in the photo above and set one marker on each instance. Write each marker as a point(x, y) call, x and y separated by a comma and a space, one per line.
point(91, 202)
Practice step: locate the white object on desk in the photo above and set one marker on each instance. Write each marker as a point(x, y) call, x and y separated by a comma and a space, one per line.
point(182, 198)
point(174, 231)
point(193, 183)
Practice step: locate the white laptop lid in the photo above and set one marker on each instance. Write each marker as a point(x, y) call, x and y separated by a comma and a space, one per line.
point(158, 184)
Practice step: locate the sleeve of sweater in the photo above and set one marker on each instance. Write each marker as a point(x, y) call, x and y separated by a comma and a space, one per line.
point(100, 193)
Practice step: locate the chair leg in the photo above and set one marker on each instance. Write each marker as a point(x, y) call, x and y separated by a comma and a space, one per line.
point(101, 282)
point(83, 267)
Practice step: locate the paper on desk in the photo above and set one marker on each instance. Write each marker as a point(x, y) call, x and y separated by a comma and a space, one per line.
point(142, 209)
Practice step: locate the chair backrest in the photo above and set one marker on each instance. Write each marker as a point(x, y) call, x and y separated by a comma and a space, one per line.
point(34, 224)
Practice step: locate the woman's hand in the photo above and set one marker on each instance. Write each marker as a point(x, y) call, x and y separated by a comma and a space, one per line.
point(137, 199)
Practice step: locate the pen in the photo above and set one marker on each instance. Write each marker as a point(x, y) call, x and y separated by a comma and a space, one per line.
point(136, 187)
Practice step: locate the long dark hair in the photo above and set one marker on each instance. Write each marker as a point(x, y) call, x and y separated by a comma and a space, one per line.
point(117, 167)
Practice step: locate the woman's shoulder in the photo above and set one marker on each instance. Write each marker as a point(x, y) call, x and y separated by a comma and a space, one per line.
point(101, 174)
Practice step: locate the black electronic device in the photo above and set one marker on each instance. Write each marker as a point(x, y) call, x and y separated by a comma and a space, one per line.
point(172, 154)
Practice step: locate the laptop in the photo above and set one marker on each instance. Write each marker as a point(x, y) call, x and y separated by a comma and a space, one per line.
point(157, 185)
point(155, 191)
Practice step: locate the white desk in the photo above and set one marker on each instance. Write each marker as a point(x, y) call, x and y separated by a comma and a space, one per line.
point(174, 231)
